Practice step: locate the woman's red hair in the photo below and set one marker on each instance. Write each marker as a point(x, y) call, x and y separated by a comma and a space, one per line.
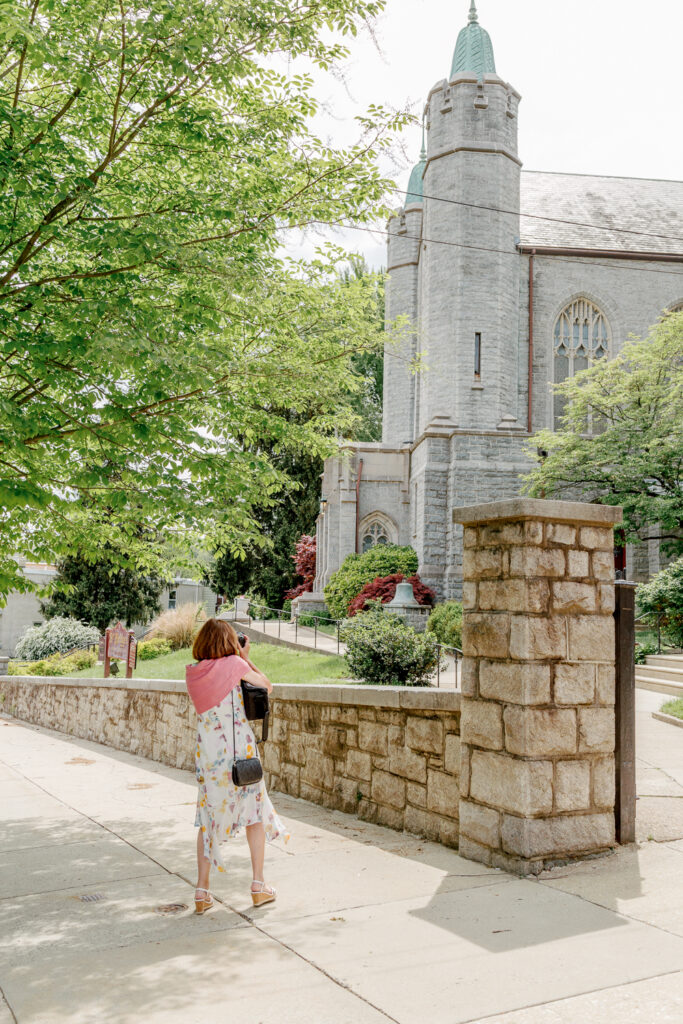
point(216, 639)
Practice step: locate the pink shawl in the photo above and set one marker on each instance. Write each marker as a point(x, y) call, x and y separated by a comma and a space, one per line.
point(210, 681)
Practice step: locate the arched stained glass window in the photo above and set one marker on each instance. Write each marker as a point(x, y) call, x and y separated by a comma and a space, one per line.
point(582, 335)
point(374, 533)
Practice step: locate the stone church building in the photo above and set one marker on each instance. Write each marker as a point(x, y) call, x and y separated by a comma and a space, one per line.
point(512, 279)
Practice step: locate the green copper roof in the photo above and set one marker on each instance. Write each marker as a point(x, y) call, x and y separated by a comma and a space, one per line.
point(415, 183)
point(473, 50)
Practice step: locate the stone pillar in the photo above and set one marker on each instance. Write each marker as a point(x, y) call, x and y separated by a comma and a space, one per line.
point(537, 719)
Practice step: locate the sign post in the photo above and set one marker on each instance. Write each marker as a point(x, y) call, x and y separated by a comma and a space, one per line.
point(118, 644)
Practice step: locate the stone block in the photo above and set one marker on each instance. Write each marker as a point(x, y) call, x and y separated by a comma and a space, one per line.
point(468, 679)
point(560, 533)
point(501, 534)
point(485, 635)
point(602, 565)
point(443, 793)
point(408, 764)
point(271, 757)
point(537, 638)
point(604, 782)
point(424, 734)
point(469, 595)
point(596, 537)
point(421, 822)
point(295, 750)
point(591, 638)
point(388, 789)
point(531, 732)
point(470, 537)
point(517, 595)
point(569, 835)
point(527, 683)
point(334, 741)
point(577, 564)
point(574, 598)
point(574, 682)
point(481, 723)
point(479, 563)
point(451, 761)
point(596, 730)
point(605, 687)
point(572, 785)
point(529, 561)
point(465, 768)
point(606, 598)
point(500, 780)
point(533, 531)
point(318, 770)
point(372, 736)
point(390, 817)
point(416, 794)
point(472, 850)
point(359, 765)
point(449, 832)
point(480, 823)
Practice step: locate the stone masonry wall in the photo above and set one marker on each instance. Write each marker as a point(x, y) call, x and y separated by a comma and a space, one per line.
point(390, 755)
point(538, 721)
point(387, 754)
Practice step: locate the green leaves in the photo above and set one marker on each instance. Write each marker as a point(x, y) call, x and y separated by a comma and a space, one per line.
point(153, 339)
point(622, 438)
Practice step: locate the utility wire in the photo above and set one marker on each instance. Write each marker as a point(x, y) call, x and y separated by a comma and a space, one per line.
point(540, 216)
point(503, 252)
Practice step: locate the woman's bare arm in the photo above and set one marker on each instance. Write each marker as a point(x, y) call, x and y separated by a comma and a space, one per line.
point(258, 678)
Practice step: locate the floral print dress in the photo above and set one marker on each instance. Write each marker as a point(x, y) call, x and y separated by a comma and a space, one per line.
point(223, 808)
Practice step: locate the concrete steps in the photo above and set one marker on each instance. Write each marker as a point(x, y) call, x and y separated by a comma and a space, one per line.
point(662, 673)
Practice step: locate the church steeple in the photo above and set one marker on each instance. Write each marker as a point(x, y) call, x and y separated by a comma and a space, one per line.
point(473, 50)
point(415, 183)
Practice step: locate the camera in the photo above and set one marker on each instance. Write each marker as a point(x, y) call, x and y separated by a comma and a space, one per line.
point(242, 639)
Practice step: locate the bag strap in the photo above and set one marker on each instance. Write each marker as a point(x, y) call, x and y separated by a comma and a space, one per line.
point(234, 742)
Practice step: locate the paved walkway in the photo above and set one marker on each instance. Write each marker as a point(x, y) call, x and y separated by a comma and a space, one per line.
point(371, 925)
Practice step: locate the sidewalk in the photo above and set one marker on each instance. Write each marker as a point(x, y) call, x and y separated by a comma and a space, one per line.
point(371, 926)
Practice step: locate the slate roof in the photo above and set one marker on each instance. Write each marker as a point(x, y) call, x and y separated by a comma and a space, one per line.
point(638, 204)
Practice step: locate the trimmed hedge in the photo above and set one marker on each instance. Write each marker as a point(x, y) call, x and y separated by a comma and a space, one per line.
point(357, 570)
point(383, 650)
point(445, 623)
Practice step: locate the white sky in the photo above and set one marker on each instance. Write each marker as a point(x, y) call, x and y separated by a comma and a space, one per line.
point(600, 81)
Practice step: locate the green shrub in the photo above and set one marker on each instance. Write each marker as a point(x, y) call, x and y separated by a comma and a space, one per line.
point(357, 570)
point(80, 660)
point(381, 649)
point(148, 649)
point(642, 651)
point(445, 623)
point(57, 636)
point(662, 599)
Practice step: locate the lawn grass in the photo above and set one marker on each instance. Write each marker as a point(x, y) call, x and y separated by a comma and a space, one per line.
point(674, 707)
point(280, 664)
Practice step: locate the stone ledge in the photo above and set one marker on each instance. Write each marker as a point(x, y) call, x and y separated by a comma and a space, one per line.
point(417, 698)
point(538, 508)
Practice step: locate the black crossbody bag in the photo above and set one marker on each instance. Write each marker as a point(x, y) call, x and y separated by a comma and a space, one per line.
point(246, 771)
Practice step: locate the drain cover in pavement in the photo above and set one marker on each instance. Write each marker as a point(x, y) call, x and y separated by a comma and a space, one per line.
point(167, 909)
point(92, 897)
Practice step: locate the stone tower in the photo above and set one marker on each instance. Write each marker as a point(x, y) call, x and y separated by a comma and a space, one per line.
point(454, 269)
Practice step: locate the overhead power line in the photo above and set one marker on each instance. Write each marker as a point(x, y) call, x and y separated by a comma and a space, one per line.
point(502, 252)
point(540, 216)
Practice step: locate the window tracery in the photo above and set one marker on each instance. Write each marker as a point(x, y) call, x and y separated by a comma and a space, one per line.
point(581, 336)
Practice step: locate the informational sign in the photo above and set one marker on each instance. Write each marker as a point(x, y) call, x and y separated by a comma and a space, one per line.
point(118, 642)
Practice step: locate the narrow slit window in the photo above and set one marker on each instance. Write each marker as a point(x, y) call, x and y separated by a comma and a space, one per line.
point(477, 356)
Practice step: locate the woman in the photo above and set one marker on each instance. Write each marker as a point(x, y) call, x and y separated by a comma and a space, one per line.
point(223, 808)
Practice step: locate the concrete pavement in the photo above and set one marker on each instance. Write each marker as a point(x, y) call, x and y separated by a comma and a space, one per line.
point(371, 925)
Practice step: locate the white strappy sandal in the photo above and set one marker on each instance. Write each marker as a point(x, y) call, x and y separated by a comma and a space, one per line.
point(202, 904)
point(266, 894)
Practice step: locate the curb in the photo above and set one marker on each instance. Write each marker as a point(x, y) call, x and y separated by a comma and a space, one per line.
point(661, 717)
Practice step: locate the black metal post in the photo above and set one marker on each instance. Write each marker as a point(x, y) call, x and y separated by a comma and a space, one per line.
point(315, 632)
point(625, 712)
point(337, 636)
point(438, 667)
point(279, 624)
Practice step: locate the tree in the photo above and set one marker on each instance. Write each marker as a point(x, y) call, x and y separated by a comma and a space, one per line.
point(102, 592)
point(621, 439)
point(368, 365)
point(151, 157)
point(383, 589)
point(304, 561)
point(661, 601)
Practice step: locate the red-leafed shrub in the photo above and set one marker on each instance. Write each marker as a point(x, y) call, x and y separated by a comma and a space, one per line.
point(304, 559)
point(383, 588)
